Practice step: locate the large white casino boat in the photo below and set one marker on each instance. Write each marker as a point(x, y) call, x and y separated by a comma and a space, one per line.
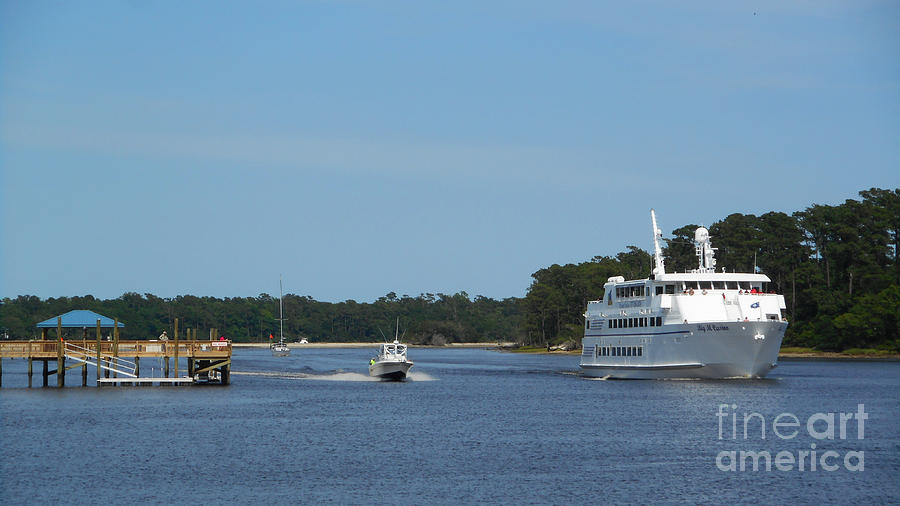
point(698, 324)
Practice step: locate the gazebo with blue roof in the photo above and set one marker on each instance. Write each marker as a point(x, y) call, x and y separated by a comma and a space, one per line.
point(78, 319)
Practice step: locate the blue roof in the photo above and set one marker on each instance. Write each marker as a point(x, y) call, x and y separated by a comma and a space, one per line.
point(79, 318)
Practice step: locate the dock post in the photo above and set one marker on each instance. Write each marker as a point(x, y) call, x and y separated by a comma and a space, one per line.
point(46, 372)
point(167, 367)
point(116, 345)
point(60, 358)
point(137, 369)
point(29, 363)
point(99, 345)
point(176, 347)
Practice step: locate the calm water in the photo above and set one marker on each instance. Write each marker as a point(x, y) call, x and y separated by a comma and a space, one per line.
point(471, 426)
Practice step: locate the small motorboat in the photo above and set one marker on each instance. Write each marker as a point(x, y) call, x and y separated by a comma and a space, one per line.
point(391, 363)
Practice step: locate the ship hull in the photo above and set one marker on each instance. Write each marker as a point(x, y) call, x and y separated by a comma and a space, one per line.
point(710, 350)
point(390, 370)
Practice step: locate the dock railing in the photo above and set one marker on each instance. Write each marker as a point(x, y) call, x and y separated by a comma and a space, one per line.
point(47, 349)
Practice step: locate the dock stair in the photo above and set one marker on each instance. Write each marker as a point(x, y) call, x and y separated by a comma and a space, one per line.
point(118, 365)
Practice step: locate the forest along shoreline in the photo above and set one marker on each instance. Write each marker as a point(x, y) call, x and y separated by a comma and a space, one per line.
point(837, 266)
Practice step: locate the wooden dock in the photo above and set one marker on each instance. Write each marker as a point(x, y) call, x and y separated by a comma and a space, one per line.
point(118, 362)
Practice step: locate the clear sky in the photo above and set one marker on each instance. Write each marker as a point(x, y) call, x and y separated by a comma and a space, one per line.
point(359, 148)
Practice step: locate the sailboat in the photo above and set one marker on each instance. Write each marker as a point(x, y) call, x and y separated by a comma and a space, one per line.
point(280, 349)
point(391, 362)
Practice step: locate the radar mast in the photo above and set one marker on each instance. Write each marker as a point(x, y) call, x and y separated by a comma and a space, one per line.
point(657, 235)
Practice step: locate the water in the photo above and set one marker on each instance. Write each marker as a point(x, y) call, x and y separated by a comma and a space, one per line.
point(470, 426)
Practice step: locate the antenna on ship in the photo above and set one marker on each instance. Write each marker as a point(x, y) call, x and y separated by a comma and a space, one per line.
point(657, 235)
point(706, 254)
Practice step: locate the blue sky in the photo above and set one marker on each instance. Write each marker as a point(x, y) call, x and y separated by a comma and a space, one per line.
point(359, 148)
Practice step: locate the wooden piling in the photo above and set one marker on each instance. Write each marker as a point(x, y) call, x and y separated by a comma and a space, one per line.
point(99, 344)
point(176, 347)
point(44, 338)
point(60, 357)
point(29, 363)
point(116, 344)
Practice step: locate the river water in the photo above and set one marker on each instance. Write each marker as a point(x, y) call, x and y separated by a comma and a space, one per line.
point(470, 426)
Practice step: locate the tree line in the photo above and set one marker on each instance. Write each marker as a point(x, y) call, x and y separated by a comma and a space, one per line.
point(425, 319)
point(835, 265)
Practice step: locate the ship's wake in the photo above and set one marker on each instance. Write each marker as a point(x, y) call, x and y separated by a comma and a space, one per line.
point(328, 376)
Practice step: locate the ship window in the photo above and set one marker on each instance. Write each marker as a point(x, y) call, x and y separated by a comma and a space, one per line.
point(628, 351)
point(745, 285)
point(731, 285)
point(719, 285)
point(659, 290)
point(670, 288)
point(659, 321)
point(640, 351)
point(706, 285)
point(587, 324)
point(652, 322)
point(691, 285)
point(609, 299)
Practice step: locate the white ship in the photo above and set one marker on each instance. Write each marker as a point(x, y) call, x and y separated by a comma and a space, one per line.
point(698, 324)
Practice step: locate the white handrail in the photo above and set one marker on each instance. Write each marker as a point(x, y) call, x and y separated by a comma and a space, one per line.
point(117, 364)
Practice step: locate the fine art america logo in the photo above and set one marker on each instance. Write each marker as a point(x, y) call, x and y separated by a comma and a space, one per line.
point(822, 427)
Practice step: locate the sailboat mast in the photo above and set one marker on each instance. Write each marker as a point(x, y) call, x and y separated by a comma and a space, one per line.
point(281, 308)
